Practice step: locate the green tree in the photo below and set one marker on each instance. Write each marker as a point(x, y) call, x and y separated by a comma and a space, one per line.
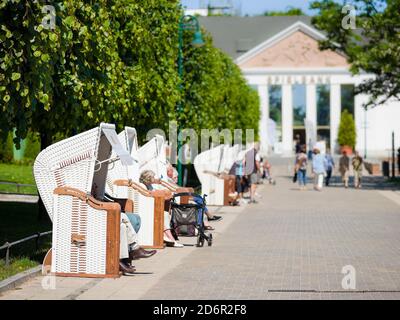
point(105, 61)
point(372, 48)
point(347, 130)
point(216, 95)
point(290, 11)
point(112, 61)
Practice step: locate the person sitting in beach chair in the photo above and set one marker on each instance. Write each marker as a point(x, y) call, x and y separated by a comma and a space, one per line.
point(91, 235)
point(148, 179)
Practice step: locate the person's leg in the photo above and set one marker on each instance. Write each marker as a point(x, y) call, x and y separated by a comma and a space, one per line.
point(316, 176)
point(253, 187)
point(123, 242)
point(130, 231)
point(124, 262)
point(168, 236)
point(357, 179)
point(239, 185)
point(167, 227)
point(328, 177)
point(135, 251)
point(346, 178)
point(304, 178)
point(300, 178)
point(320, 181)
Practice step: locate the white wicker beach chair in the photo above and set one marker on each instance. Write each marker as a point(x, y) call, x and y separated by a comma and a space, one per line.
point(212, 168)
point(207, 164)
point(229, 157)
point(152, 156)
point(123, 182)
point(71, 177)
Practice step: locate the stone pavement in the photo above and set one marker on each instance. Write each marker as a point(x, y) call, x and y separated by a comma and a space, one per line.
point(291, 245)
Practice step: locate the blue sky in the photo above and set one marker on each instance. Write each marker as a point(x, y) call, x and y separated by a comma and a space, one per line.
point(253, 7)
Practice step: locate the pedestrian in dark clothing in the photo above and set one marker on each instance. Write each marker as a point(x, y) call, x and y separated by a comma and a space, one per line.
point(329, 166)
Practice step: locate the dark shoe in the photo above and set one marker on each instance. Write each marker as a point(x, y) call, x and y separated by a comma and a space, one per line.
point(126, 269)
point(215, 218)
point(141, 253)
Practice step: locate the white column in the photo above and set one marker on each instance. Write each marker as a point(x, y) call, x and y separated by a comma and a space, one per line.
point(264, 114)
point(335, 111)
point(287, 119)
point(311, 110)
point(359, 118)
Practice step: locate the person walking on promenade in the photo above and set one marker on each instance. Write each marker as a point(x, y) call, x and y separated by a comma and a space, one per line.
point(329, 166)
point(344, 168)
point(301, 167)
point(318, 168)
point(297, 144)
point(357, 164)
point(252, 168)
point(238, 171)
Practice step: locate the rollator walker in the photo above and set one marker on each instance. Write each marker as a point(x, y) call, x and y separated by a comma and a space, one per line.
point(190, 214)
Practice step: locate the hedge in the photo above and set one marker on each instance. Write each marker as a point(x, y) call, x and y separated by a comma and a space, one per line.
point(112, 61)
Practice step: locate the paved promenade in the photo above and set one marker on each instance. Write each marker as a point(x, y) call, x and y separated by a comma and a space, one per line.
point(291, 245)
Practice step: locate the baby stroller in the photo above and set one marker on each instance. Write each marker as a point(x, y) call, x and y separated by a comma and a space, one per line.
point(190, 214)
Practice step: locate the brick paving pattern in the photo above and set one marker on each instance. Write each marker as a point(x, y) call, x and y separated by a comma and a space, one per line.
point(291, 245)
point(294, 241)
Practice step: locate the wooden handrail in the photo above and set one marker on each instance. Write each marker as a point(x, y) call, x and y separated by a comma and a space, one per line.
point(94, 203)
point(147, 193)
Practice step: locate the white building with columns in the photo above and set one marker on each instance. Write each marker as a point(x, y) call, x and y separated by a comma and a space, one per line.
point(302, 89)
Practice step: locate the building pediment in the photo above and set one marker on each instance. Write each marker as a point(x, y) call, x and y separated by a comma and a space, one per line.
point(295, 49)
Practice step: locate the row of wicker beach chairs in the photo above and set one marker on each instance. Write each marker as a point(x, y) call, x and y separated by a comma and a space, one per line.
point(74, 176)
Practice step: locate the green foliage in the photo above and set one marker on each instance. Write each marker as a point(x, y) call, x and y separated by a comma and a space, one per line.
point(20, 220)
point(108, 61)
point(216, 93)
point(290, 11)
point(32, 146)
point(31, 150)
point(347, 130)
point(372, 48)
point(16, 266)
point(19, 173)
point(111, 61)
point(6, 149)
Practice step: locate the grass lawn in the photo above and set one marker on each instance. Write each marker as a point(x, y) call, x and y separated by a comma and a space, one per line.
point(17, 221)
point(17, 173)
point(16, 266)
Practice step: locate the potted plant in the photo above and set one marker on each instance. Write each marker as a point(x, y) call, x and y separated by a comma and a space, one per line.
point(347, 133)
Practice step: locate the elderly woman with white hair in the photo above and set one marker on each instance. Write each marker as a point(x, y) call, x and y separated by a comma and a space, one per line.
point(147, 177)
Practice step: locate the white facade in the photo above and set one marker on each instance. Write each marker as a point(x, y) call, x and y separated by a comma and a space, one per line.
point(197, 12)
point(292, 57)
